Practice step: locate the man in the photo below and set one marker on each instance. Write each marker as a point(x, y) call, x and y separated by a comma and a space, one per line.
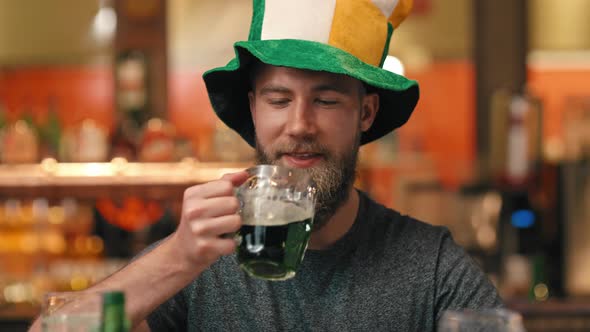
point(307, 94)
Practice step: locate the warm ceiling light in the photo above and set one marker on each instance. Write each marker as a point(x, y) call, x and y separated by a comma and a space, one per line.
point(105, 23)
point(393, 65)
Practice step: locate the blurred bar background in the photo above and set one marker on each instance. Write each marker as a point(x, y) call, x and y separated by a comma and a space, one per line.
point(104, 121)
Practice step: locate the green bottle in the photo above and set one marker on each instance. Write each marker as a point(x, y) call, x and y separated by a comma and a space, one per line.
point(113, 312)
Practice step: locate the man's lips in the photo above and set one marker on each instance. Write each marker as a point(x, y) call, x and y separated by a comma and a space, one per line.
point(302, 159)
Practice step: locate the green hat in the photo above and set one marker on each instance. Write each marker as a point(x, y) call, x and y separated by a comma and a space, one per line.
point(349, 37)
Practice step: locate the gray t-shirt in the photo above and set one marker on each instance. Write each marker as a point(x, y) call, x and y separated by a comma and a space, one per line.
point(388, 273)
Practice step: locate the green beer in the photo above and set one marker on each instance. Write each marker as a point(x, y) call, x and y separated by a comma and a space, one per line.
point(277, 206)
point(273, 252)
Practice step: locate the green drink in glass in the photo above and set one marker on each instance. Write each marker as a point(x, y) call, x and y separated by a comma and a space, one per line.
point(277, 209)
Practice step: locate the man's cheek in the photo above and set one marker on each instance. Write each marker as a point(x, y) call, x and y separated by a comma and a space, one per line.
point(270, 124)
point(265, 138)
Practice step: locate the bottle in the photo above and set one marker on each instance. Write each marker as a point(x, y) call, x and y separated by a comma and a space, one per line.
point(515, 139)
point(123, 142)
point(2, 125)
point(92, 142)
point(3, 111)
point(551, 203)
point(113, 312)
point(132, 87)
point(50, 131)
point(157, 141)
point(132, 102)
point(520, 230)
point(19, 144)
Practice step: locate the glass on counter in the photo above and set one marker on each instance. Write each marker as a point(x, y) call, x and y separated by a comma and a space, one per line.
point(71, 311)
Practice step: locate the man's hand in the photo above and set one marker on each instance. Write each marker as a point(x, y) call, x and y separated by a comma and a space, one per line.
point(208, 211)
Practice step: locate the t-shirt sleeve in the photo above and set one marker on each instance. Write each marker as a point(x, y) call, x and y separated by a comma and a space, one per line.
point(170, 315)
point(460, 282)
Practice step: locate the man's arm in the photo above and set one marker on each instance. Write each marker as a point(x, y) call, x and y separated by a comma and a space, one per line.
point(209, 211)
point(142, 327)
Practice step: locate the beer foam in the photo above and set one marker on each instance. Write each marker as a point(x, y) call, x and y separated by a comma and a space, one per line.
point(263, 211)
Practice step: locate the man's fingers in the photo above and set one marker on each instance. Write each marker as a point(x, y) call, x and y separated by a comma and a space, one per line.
point(208, 208)
point(212, 248)
point(222, 187)
point(236, 178)
point(214, 227)
point(215, 188)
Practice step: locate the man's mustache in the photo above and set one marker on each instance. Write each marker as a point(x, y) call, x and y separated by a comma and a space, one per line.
point(298, 146)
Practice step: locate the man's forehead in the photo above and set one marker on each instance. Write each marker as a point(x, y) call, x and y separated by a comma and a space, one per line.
point(276, 74)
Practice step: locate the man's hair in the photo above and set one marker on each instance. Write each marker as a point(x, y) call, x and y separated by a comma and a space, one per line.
point(253, 69)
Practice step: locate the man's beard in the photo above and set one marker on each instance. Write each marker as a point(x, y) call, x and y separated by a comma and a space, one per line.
point(333, 176)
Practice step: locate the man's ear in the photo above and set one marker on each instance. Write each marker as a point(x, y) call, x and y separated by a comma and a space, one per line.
point(369, 109)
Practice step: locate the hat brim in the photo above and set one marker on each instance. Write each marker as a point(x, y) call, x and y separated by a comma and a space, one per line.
point(228, 86)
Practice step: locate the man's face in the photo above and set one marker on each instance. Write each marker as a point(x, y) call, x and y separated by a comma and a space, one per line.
point(312, 120)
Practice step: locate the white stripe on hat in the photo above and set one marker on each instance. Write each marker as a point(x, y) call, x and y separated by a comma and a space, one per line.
point(298, 19)
point(386, 6)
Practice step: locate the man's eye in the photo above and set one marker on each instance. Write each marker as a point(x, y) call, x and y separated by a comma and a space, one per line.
point(326, 102)
point(278, 102)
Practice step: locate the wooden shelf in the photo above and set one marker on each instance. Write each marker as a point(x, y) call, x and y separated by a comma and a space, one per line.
point(91, 180)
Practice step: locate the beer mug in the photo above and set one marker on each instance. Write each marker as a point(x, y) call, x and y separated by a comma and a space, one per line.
point(277, 207)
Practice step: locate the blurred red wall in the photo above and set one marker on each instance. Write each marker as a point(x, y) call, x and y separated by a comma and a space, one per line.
point(443, 123)
point(81, 92)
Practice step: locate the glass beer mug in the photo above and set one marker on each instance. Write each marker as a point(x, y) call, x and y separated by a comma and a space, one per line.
point(70, 312)
point(277, 207)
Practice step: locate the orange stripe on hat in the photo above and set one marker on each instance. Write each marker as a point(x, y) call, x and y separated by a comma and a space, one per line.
point(359, 28)
point(401, 11)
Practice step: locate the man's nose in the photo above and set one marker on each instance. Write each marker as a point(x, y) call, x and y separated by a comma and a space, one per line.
point(302, 120)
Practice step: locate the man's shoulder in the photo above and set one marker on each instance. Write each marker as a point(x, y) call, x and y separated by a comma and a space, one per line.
point(392, 234)
point(385, 218)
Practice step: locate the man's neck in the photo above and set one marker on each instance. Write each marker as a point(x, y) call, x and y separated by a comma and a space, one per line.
point(338, 224)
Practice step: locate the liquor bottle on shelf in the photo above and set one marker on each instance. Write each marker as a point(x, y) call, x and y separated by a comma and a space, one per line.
point(85, 142)
point(123, 142)
point(132, 90)
point(515, 139)
point(3, 111)
point(50, 131)
point(92, 142)
point(132, 101)
point(2, 125)
point(550, 201)
point(528, 231)
point(20, 144)
point(520, 230)
point(157, 142)
point(535, 210)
